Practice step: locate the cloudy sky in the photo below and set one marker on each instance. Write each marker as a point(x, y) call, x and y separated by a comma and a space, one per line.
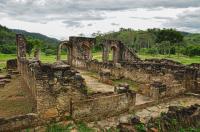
point(64, 18)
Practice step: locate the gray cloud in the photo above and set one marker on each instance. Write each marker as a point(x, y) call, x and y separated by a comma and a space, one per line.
point(90, 24)
point(114, 24)
point(73, 12)
point(163, 18)
point(189, 20)
point(143, 18)
point(72, 24)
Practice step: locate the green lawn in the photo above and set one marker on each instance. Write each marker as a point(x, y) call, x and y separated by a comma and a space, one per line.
point(52, 58)
point(182, 59)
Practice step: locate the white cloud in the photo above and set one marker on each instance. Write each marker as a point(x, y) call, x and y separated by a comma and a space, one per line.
point(62, 18)
point(189, 20)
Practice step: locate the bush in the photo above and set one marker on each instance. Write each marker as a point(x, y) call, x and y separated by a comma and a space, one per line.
point(50, 52)
point(7, 49)
point(191, 50)
point(151, 51)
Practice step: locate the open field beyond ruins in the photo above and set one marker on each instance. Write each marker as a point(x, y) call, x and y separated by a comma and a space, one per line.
point(98, 55)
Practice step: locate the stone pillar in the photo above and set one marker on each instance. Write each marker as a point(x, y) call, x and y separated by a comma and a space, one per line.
point(105, 55)
point(58, 57)
point(69, 56)
point(37, 54)
point(105, 76)
point(158, 90)
point(115, 55)
point(21, 50)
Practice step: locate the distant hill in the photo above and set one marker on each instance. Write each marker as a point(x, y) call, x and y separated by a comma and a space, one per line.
point(39, 36)
point(7, 39)
point(144, 39)
point(193, 39)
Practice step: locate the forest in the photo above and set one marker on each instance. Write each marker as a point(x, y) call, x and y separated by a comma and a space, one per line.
point(151, 41)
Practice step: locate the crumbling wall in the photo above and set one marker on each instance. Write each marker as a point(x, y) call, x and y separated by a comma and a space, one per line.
point(11, 64)
point(177, 119)
point(60, 91)
point(103, 107)
point(19, 122)
point(52, 85)
point(176, 78)
point(119, 51)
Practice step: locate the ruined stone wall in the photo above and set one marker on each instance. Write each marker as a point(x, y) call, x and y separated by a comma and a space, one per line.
point(60, 91)
point(177, 119)
point(81, 47)
point(11, 64)
point(176, 78)
point(19, 122)
point(120, 52)
point(52, 86)
point(103, 107)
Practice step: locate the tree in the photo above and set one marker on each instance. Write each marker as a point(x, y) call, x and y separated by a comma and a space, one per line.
point(29, 47)
point(33, 43)
point(169, 35)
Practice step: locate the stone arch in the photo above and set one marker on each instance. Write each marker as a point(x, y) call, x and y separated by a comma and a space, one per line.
point(86, 51)
point(115, 54)
point(69, 48)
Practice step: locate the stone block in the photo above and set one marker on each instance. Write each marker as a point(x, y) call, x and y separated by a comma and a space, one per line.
point(50, 113)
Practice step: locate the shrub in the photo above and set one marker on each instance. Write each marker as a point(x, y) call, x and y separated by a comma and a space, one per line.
point(50, 52)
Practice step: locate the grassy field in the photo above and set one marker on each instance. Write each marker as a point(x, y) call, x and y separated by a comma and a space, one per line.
point(182, 59)
point(52, 58)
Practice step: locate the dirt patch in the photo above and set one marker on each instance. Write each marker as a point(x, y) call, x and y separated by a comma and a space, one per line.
point(93, 84)
point(15, 98)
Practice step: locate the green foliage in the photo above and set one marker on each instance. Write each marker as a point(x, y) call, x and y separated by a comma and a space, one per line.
point(154, 41)
point(82, 127)
point(140, 128)
point(191, 50)
point(8, 49)
point(170, 35)
point(59, 128)
point(152, 51)
point(35, 40)
point(29, 47)
point(50, 52)
point(112, 130)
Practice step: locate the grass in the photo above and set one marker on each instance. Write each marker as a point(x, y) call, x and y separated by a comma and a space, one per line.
point(4, 58)
point(182, 59)
point(98, 56)
point(79, 127)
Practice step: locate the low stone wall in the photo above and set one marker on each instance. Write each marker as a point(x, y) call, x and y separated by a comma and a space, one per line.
point(103, 107)
point(177, 119)
point(177, 78)
point(52, 86)
point(19, 122)
point(11, 64)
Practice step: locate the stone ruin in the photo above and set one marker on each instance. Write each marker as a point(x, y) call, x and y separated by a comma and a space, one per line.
point(77, 49)
point(58, 89)
point(176, 119)
point(120, 52)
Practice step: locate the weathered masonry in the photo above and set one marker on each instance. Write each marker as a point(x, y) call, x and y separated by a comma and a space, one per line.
point(77, 49)
point(157, 78)
point(59, 90)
